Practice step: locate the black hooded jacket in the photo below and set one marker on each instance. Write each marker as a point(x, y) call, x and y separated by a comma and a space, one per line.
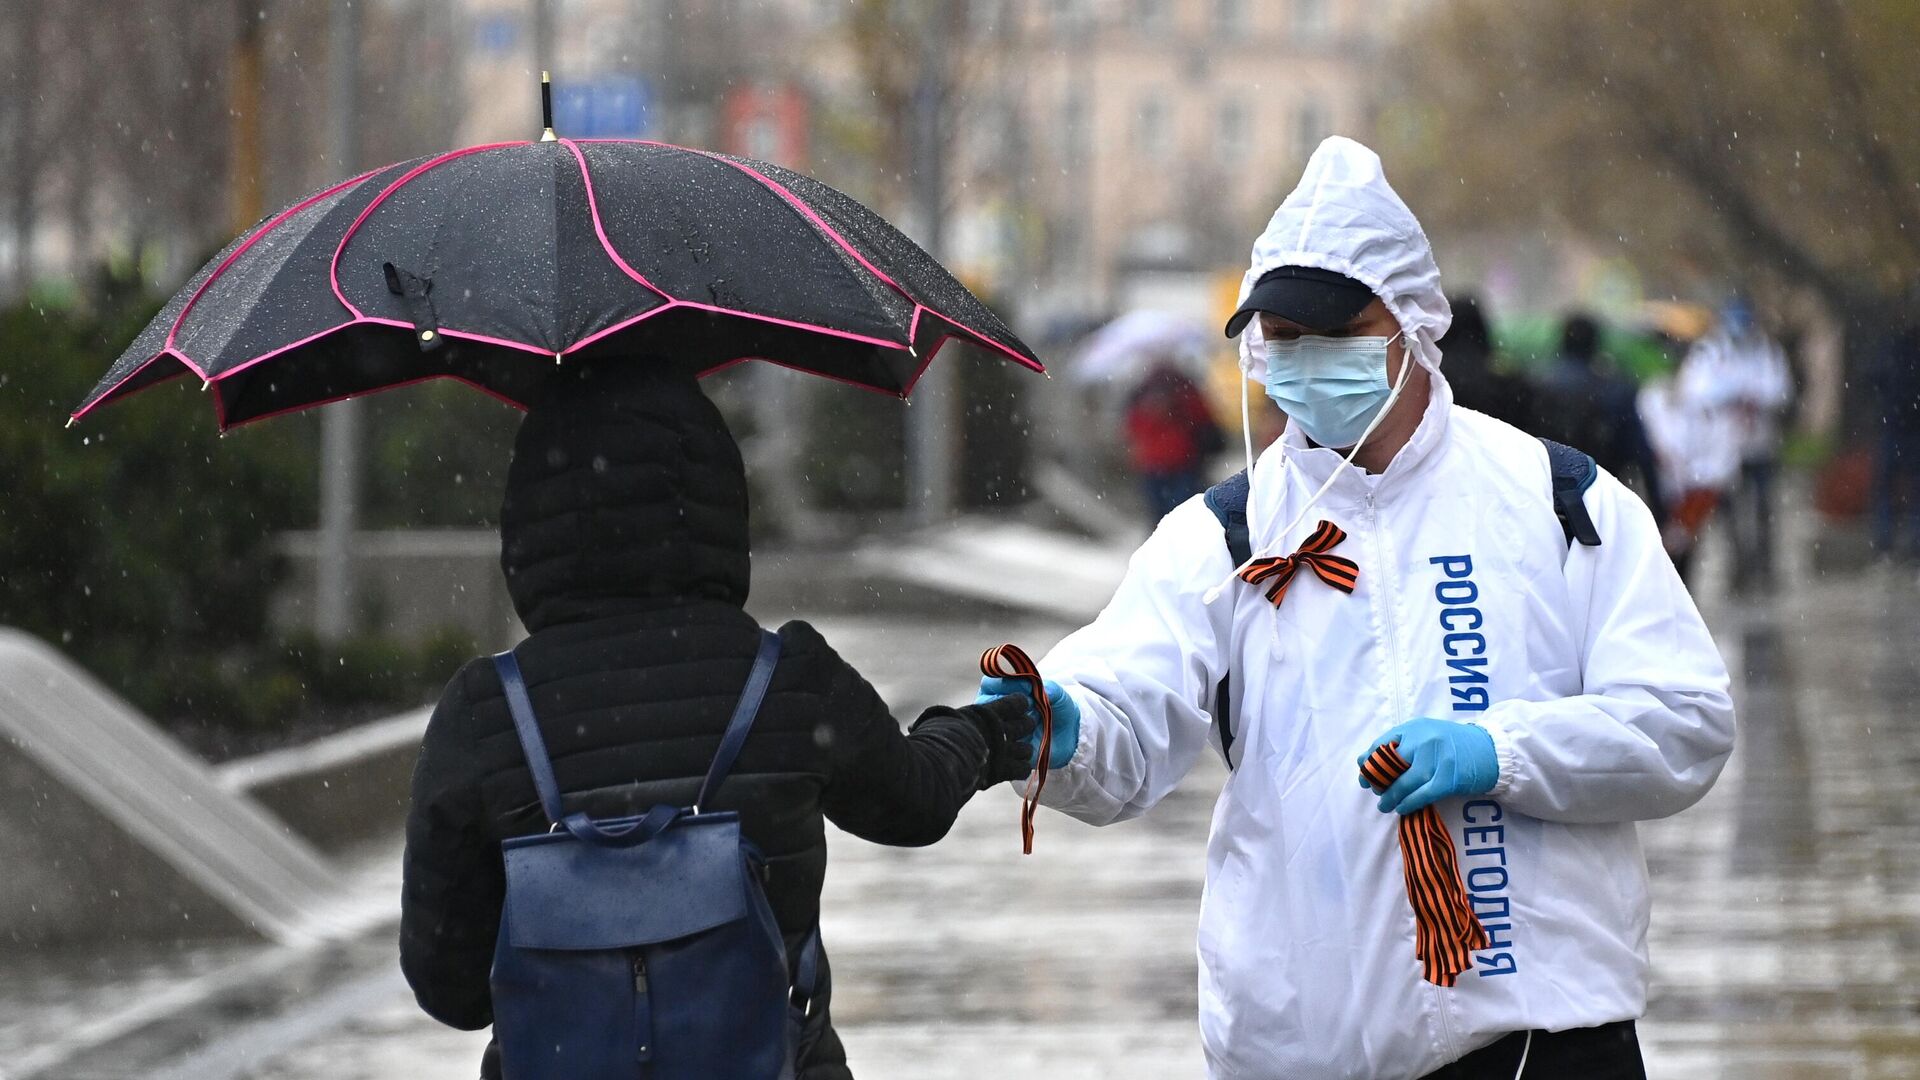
point(624, 541)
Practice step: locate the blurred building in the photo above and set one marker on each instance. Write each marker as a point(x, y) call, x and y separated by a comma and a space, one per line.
point(1095, 150)
point(1162, 133)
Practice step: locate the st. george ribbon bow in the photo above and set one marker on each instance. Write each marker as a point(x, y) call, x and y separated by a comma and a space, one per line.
point(1315, 554)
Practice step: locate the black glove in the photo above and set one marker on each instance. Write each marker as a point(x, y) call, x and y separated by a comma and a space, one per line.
point(1003, 724)
point(1006, 724)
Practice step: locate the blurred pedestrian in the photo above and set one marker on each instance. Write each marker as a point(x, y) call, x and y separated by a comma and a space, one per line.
point(1473, 371)
point(1171, 434)
point(1737, 369)
point(624, 542)
point(1585, 403)
point(1698, 457)
point(1895, 383)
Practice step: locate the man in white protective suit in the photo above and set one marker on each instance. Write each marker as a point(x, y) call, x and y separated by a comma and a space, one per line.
point(1413, 582)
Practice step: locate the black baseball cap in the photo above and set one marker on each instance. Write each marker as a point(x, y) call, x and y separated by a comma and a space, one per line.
point(1316, 299)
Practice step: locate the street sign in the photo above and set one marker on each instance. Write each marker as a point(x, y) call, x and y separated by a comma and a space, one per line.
point(602, 107)
point(498, 34)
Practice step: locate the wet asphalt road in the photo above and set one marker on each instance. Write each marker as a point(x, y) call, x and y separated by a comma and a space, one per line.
point(1785, 940)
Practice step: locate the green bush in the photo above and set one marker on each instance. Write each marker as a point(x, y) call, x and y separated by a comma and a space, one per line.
point(143, 545)
point(138, 541)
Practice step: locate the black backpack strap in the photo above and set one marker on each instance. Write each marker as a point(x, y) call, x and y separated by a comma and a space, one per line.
point(742, 723)
point(531, 744)
point(806, 975)
point(1228, 501)
point(1574, 471)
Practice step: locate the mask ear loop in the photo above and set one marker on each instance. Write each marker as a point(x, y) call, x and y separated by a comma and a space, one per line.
point(1246, 422)
point(1406, 369)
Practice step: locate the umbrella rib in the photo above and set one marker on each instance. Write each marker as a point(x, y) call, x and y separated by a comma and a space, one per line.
point(599, 228)
point(333, 270)
point(111, 391)
point(180, 320)
point(810, 214)
point(820, 223)
point(606, 243)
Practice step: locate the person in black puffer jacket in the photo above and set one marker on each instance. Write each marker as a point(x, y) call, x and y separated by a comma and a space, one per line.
point(624, 541)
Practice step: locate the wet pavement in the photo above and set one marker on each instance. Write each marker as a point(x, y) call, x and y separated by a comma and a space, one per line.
point(1785, 940)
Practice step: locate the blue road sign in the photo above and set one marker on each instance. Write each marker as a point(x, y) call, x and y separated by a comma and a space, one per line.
point(602, 107)
point(498, 34)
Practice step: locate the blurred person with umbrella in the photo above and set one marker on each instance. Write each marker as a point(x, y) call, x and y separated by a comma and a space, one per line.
point(1171, 434)
point(1117, 356)
point(593, 282)
point(1479, 628)
point(1146, 366)
point(1738, 370)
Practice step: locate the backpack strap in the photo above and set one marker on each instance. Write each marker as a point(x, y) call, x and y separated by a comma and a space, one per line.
point(806, 975)
point(534, 746)
point(743, 714)
point(1228, 501)
point(531, 744)
point(1574, 471)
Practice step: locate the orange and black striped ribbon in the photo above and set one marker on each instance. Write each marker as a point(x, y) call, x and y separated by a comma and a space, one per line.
point(1278, 573)
point(1012, 662)
point(1446, 933)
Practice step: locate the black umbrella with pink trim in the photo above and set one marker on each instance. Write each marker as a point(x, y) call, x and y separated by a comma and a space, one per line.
point(492, 263)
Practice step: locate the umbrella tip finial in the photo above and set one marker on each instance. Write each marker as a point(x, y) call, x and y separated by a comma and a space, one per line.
point(72, 420)
point(546, 107)
point(557, 358)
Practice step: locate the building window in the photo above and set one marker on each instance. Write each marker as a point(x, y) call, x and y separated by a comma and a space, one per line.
point(1075, 129)
point(1150, 136)
point(1231, 131)
point(1150, 16)
point(1310, 18)
point(1072, 16)
point(1309, 127)
point(1230, 17)
point(988, 16)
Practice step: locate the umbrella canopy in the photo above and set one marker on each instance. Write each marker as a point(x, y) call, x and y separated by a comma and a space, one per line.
point(490, 263)
point(1123, 351)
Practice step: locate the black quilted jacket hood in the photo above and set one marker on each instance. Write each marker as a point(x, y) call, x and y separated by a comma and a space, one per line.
point(625, 486)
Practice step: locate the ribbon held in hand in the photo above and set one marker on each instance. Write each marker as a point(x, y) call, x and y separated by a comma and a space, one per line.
point(1012, 662)
point(1278, 573)
point(1446, 933)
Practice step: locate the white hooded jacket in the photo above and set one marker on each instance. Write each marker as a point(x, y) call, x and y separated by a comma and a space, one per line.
point(1606, 699)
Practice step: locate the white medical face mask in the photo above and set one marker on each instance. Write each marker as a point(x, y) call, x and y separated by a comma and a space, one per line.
point(1333, 387)
point(1371, 416)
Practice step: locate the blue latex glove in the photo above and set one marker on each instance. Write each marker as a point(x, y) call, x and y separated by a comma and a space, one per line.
point(1446, 760)
point(1066, 717)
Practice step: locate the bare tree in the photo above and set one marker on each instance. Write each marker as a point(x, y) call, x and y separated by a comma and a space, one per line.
point(1772, 140)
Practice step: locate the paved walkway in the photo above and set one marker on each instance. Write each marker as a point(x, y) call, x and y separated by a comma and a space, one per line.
point(1786, 939)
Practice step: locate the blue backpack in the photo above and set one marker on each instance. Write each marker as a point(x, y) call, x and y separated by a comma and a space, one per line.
point(643, 946)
